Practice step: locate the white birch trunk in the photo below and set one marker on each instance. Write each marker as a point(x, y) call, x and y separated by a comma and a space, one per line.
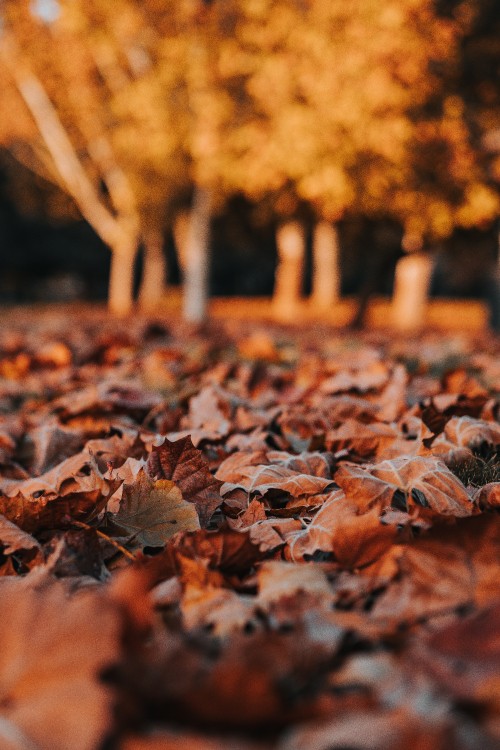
point(119, 229)
point(290, 243)
point(154, 271)
point(326, 266)
point(180, 230)
point(121, 278)
point(197, 261)
point(411, 291)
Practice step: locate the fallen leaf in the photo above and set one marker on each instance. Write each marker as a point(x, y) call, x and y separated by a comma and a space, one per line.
point(54, 649)
point(185, 465)
point(418, 481)
point(352, 538)
point(13, 539)
point(153, 511)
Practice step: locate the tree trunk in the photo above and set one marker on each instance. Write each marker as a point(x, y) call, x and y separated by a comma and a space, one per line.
point(121, 279)
point(154, 271)
point(411, 289)
point(197, 263)
point(290, 244)
point(181, 229)
point(326, 271)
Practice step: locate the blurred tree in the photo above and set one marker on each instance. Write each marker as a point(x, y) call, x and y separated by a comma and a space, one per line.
point(318, 111)
point(450, 183)
point(188, 98)
point(44, 62)
point(102, 126)
point(474, 84)
point(140, 55)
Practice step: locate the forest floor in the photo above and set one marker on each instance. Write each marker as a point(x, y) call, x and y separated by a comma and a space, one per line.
point(442, 314)
point(247, 536)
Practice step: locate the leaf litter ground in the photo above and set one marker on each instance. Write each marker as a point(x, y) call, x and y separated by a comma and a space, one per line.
point(247, 537)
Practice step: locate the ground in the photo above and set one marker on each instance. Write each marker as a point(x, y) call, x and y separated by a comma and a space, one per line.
point(247, 535)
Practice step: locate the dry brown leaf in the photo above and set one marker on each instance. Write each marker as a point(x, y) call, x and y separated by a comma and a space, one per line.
point(366, 379)
point(205, 413)
point(13, 539)
point(361, 440)
point(281, 580)
point(52, 443)
point(488, 497)
point(475, 435)
point(406, 483)
point(185, 465)
point(233, 468)
point(261, 479)
point(465, 656)
point(452, 567)
point(72, 489)
point(353, 539)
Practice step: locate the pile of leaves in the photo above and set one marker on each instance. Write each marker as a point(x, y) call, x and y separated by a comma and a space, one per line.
point(247, 538)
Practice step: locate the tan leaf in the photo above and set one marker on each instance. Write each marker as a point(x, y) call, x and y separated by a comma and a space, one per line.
point(152, 512)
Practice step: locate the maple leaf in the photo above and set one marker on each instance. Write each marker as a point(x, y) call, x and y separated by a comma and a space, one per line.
point(152, 512)
point(354, 539)
point(73, 488)
point(185, 465)
point(404, 482)
point(54, 648)
point(261, 479)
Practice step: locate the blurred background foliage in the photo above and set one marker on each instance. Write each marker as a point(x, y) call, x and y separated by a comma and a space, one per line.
point(134, 134)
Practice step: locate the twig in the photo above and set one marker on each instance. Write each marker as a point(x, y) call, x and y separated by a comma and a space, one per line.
point(107, 538)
